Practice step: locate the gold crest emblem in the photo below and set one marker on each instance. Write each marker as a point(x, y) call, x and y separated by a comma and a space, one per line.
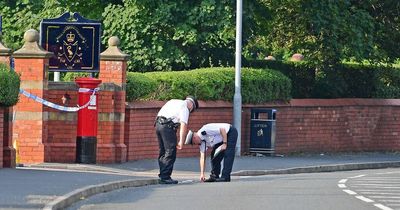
point(70, 52)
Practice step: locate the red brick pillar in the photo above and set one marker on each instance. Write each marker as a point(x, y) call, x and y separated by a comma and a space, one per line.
point(7, 153)
point(5, 54)
point(113, 65)
point(30, 122)
point(1, 135)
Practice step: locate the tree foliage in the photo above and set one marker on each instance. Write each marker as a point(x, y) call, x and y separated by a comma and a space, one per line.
point(21, 15)
point(330, 31)
point(180, 34)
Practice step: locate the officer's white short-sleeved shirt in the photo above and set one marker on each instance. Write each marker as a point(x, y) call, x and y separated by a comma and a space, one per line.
point(176, 110)
point(211, 135)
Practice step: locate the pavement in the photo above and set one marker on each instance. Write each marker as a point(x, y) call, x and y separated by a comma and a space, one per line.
point(59, 185)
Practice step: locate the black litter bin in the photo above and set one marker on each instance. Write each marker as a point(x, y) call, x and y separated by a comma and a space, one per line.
point(262, 130)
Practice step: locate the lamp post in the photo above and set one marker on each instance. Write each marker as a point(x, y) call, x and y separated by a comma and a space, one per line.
point(237, 98)
point(1, 25)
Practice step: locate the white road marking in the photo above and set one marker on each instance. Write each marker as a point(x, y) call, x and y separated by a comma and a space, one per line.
point(374, 186)
point(383, 189)
point(186, 181)
point(377, 196)
point(393, 172)
point(39, 199)
point(382, 206)
point(379, 193)
point(392, 201)
point(350, 192)
point(365, 199)
point(387, 178)
point(378, 181)
point(378, 190)
point(354, 177)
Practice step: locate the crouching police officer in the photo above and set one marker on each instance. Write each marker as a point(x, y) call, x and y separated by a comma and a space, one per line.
point(221, 137)
point(174, 114)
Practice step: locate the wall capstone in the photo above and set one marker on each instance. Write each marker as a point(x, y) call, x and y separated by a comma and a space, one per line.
point(113, 53)
point(4, 51)
point(31, 48)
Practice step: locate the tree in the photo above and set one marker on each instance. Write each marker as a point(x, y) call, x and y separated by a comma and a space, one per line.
point(180, 34)
point(330, 31)
point(21, 15)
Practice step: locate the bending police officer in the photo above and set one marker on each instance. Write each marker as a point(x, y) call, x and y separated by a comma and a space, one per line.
point(173, 115)
point(221, 137)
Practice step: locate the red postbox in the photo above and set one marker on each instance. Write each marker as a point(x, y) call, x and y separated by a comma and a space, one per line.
point(86, 140)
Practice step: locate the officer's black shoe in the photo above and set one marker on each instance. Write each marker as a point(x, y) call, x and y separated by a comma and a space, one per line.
point(167, 181)
point(211, 179)
point(222, 180)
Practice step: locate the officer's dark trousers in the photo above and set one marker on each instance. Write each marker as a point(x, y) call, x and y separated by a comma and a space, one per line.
point(228, 156)
point(167, 141)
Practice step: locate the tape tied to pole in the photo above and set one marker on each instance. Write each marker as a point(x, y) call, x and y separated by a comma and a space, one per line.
point(59, 107)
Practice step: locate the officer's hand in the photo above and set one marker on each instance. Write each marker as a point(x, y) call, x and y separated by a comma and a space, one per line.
point(202, 178)
point(223, 147)
point(179, 145)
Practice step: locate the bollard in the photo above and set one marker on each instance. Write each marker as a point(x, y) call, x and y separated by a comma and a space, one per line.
point(86, 140)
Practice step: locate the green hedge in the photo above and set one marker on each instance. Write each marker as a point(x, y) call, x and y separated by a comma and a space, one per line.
point(301, 74)
point(358, 81)
point(9, 86)
point(343, 81)
point(258, 85)
point(387, 83)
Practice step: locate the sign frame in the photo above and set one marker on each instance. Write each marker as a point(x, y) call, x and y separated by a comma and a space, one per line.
point(75, 42)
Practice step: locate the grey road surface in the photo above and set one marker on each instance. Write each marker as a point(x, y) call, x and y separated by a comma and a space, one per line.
point(335, 190)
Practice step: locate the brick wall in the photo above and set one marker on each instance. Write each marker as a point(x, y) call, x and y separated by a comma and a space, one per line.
point(1, 135)
point(62, 126)
point(338, 125)
point(9, 153)
point(303, 125)
point(140, 137)
point(309, 125)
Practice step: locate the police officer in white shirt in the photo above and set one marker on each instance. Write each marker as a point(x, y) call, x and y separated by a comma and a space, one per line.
point(221, 137)
point(174, 114)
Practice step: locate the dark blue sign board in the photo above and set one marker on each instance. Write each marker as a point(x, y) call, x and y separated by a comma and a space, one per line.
point(1, 25)
point(75, 44)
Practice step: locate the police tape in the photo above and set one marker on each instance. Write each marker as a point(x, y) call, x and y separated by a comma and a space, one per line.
point(92, 100)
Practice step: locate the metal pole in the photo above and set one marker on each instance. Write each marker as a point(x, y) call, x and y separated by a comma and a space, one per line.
point(56, 76)
point(1, 26)
point(237, 98)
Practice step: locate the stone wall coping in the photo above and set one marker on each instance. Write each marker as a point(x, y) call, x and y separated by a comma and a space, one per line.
point(292, 103)
point(72, 86)
point(4, 51)
point(113, 53)
point(31, 48)
point(345, 102)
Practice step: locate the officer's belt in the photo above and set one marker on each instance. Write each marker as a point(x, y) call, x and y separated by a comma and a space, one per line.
point(167, 121)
